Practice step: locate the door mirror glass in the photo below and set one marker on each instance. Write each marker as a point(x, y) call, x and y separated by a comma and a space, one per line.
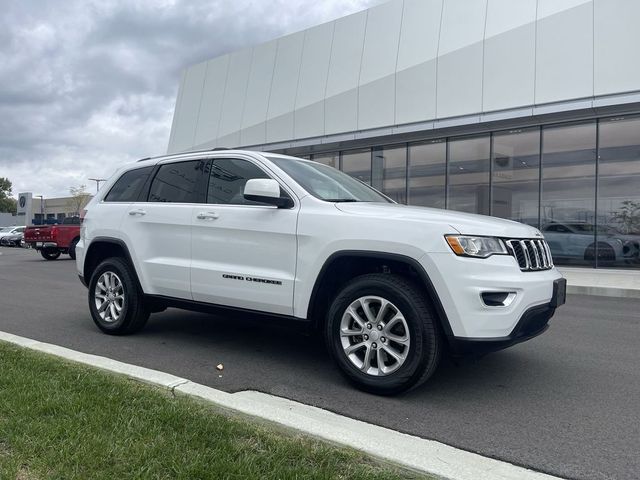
point(266, 190)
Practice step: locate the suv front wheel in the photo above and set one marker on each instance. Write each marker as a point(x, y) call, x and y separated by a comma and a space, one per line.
point(382, 335)
point(116, 301)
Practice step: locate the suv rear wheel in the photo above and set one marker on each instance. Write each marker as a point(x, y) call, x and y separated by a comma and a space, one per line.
point(382, 335)
point(116, 301)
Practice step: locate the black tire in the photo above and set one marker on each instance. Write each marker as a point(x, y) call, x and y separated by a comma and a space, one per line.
point(134, 313)
point(72, 248)
point(425, 340)
point(50, 253)
point(606, 253)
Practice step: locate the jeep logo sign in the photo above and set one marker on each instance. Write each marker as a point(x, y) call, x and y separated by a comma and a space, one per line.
point(23, 201)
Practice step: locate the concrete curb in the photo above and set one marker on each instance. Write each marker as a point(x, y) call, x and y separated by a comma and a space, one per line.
point(603, 291)
point(416, 453)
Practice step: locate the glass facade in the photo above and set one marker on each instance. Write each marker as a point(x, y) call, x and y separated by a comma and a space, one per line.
point(468, 168)
point(578, 182)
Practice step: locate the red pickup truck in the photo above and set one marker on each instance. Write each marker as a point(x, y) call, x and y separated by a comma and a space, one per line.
point(53, 240)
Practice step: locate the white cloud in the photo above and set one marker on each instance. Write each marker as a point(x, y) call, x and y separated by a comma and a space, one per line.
point(88, 85)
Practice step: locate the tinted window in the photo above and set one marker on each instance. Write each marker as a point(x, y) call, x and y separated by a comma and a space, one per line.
point(389, 172)
point(177, 182)
point(127, 187)
point(228, 178)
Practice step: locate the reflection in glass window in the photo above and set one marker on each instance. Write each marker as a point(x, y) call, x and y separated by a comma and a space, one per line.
point(228, 178)
point(469, 175)
point(516, 172)
point(330, 159)
point(568, 193)
point(357, 163)
point(177, 182)
point(427, 173)
point(389, 172)
point(619, 193)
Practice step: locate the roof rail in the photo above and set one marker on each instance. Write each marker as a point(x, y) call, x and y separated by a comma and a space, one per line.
point(221, 148)
point(143, 159)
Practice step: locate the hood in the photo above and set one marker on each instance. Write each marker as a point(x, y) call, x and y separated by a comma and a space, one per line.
point(464, 223)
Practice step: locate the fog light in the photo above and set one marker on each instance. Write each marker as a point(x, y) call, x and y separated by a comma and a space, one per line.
point(498, 299)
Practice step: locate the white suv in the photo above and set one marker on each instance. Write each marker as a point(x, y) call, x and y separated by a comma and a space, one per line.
point(390, 286)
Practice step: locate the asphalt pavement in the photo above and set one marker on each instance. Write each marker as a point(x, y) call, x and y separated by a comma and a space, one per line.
point(565, 403)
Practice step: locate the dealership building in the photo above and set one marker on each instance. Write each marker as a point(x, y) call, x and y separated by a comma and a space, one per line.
point(521, 109)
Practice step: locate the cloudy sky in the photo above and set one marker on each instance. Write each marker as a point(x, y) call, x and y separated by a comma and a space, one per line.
point(88, 85)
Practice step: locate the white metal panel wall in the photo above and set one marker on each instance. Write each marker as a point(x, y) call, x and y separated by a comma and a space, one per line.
point(410, 61)
point(377, 83)
point(211, 103)
point(616, 41)
point(417, 54)
point(189, 106)
point(254, 112)
point(176, 114)
point(234, 96)
point(460, 58)
point(564, 50)
point(341, 102)
point(509, 54)
point(312, 85)
point(284, 88)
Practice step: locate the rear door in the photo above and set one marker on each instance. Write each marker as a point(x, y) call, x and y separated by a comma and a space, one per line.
point(158, 229)
point(244, 252)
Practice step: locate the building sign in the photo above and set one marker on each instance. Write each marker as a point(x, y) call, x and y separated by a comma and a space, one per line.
point(25, 206)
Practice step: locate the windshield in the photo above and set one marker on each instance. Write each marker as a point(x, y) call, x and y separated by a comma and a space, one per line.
point(327, 183)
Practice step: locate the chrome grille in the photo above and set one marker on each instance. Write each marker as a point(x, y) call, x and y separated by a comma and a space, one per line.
point(531, 254)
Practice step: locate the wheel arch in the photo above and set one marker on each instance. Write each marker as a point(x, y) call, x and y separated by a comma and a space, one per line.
point(358, 262)
point(105, 247)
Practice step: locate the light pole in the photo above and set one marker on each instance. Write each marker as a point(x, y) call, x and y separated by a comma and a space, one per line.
point(41, 208)
point(98, 180)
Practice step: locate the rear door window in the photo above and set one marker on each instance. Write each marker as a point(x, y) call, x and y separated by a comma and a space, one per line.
point(178, 182)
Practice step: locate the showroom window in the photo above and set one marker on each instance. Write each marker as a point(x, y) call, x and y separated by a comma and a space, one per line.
point(618, 220)
point(428, 173)
point(331, 159)
point(468, 189)
point(515, 166)
point(357, 163)
point(389, 171)
point(568, 193)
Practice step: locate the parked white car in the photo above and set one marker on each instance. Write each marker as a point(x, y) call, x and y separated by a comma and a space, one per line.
point(11, 231)
point(391, 287)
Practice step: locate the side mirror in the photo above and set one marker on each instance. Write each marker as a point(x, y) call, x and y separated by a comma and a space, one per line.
point(266, 190)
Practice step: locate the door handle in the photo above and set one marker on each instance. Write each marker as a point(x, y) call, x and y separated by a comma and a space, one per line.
point(137, 212)
point(207, 216)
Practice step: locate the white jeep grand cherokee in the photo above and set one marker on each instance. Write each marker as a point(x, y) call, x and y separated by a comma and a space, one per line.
point(392, 287)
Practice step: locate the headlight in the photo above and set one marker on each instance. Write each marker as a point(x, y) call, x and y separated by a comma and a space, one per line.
point(479, 247)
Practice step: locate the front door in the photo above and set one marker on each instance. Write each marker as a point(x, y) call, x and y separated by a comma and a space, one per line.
point(243, 252)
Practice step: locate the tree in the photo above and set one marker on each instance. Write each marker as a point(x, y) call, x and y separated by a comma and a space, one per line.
point(628, 216)
point(8, 204)
point(79, 198)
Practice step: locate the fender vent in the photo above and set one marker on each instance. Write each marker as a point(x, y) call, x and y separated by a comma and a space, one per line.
point(532, 254)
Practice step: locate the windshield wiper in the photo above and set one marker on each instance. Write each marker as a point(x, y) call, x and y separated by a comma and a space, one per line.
point(341, 200)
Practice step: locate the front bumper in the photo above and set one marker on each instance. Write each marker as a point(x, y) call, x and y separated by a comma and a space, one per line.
point(461, 282)
point(533, 322)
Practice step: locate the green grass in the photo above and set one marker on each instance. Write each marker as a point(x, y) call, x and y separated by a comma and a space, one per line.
point(64, 421)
